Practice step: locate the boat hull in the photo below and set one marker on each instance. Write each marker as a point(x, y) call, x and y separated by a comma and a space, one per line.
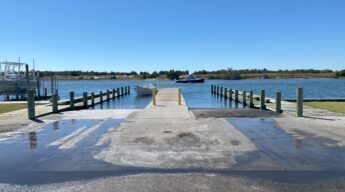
point(190, 81)
point(143, 91)
point(11, 87)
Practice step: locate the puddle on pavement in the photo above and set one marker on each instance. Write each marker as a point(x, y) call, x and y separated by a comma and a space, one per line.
point(290, 151)
point(33, 152)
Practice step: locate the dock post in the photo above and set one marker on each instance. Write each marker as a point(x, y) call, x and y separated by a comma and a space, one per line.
point(230, 94)
point(108, 95)
point(179, 96)
point(278, 102)
point(217, 92)
point(299, 102)
point(121, 91)
point(244, 98)
point(100, 96)
point(85, 99)
point(262, 99)
point(92, 98)
point(31, 104)
point(117, 92)
point(221, 91)
point(129, 90)
point(154, 96)
point(71, 99)
point(55, 102)
point(125, 90)
point(113, 93)
point(38, 87)
point(225, 93)
point(251, 103)
point(236, 96)
point(45, 93)
point(211, 88)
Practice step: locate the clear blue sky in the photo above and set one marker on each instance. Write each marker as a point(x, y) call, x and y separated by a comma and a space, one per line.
point(147, 35)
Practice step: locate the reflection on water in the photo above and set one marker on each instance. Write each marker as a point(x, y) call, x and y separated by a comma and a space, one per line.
point(33, 140)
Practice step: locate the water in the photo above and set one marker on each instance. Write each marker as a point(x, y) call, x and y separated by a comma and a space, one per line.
point(199, 96)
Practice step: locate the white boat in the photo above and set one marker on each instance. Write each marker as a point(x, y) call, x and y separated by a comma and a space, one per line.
point(145, 89)
point(12, 80)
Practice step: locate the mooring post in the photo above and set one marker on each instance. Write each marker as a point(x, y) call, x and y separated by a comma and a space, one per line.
point(236, 96)
point(31, 104)
point(244, 98)
point(92, 98)
point(278, 102)
point(108, 95)
point(221, 91)
point(113, 93)
point(299, 102)
point(45, 93)
point(71, 99)
point(129, 90)
point(121, 91)
point(117, 92)
point(38, 87)
point(262, 99)
point(85, 99)
point(211, 88)
point(251, 103)
point(100, 96)
point(125, 90)
point(217, 91)
point(230, 94)
point(179, 96)
point(55, 102)
point(154, 96)
point(225, 93)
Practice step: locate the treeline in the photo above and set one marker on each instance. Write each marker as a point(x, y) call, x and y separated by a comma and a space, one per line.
point(170, 74)
point(217, 74)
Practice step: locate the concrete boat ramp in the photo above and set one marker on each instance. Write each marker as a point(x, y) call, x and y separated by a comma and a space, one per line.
point(167, 147)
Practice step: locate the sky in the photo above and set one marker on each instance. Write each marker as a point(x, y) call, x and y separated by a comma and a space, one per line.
point(149, 35)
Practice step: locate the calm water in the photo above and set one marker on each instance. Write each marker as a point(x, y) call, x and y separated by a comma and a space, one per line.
point(199, 96)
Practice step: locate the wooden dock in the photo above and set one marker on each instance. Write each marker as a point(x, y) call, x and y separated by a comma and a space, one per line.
point(167, 106)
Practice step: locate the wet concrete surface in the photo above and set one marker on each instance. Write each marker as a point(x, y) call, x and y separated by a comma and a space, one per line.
point(238, 154)
point(232, 113)
point(289, 150)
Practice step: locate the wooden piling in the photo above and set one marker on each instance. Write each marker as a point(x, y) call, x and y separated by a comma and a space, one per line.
point(217, 92)
point(100, 96)
point(230, 95)
point(278, 102)
point(108, 95)
point(45, 94)
point(71, 99)
point(154, 96)
point(129, 90)
point(221, 91)
point(121, 91)
point(262, 99)
point(92, 98)
point(299, 100)
point(244, 98)
point(251, 103)
point(236, 96)
point(55, 103)
point(211, 88)
point(117, 92)
point(179, 96)
point(31, 104)
point(85, 99)
point(113, 93)
point(225, 93)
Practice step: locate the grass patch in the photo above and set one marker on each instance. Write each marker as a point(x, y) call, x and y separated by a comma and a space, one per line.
point(336, 106)
point(4, 108)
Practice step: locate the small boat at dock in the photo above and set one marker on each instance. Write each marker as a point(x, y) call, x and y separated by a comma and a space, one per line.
point(144, 90)
point(190, 79)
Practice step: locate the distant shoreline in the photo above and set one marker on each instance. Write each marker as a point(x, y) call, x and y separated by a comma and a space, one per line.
point(208, 77)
